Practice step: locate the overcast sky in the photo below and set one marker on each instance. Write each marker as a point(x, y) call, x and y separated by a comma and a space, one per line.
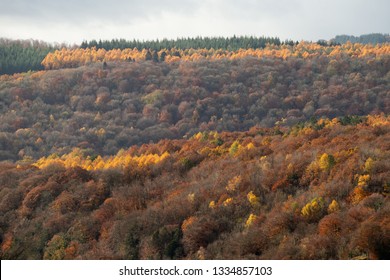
point(72, 21)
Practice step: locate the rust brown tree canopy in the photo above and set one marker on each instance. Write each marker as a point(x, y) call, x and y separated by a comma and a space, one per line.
point(280, 152)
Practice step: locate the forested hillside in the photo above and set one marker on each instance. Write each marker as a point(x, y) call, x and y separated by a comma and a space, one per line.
point(17, 56)
point(315, 191)
point(213, 148)
point(128, 99)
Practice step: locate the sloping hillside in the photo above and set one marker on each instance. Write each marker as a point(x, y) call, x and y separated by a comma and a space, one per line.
point(314, 191)
point(128, 99)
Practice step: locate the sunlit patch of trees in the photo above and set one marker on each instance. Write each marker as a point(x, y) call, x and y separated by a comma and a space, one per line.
point(121, 160)
point(66, 57)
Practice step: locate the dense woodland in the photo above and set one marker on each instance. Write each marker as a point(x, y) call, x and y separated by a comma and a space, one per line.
point(373, 38)
point(276, 152)
point(17, 56)
point(22, 55)
point(314, 191)
point(106, 106)
point(231, 43)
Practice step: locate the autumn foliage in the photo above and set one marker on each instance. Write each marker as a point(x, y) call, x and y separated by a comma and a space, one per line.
point(112, 102)
point(147, 202)
point(280, 151)
point(65, 57)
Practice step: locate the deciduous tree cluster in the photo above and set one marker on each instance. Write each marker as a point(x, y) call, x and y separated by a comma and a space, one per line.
point(273, 152)
point(113, 105)
point(285, 195)
point(66, 58)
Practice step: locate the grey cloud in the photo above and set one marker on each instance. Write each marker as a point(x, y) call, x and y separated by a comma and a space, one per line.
point(295, 19)
point(255, 9)
point(87, 10)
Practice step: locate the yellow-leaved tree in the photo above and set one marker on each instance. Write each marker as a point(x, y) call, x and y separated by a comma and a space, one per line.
point(326, 162)
point(333, 207)
point(234, 148)
point(253, 199)
point(313, 210)
point(234, 183)
point(251, 219)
